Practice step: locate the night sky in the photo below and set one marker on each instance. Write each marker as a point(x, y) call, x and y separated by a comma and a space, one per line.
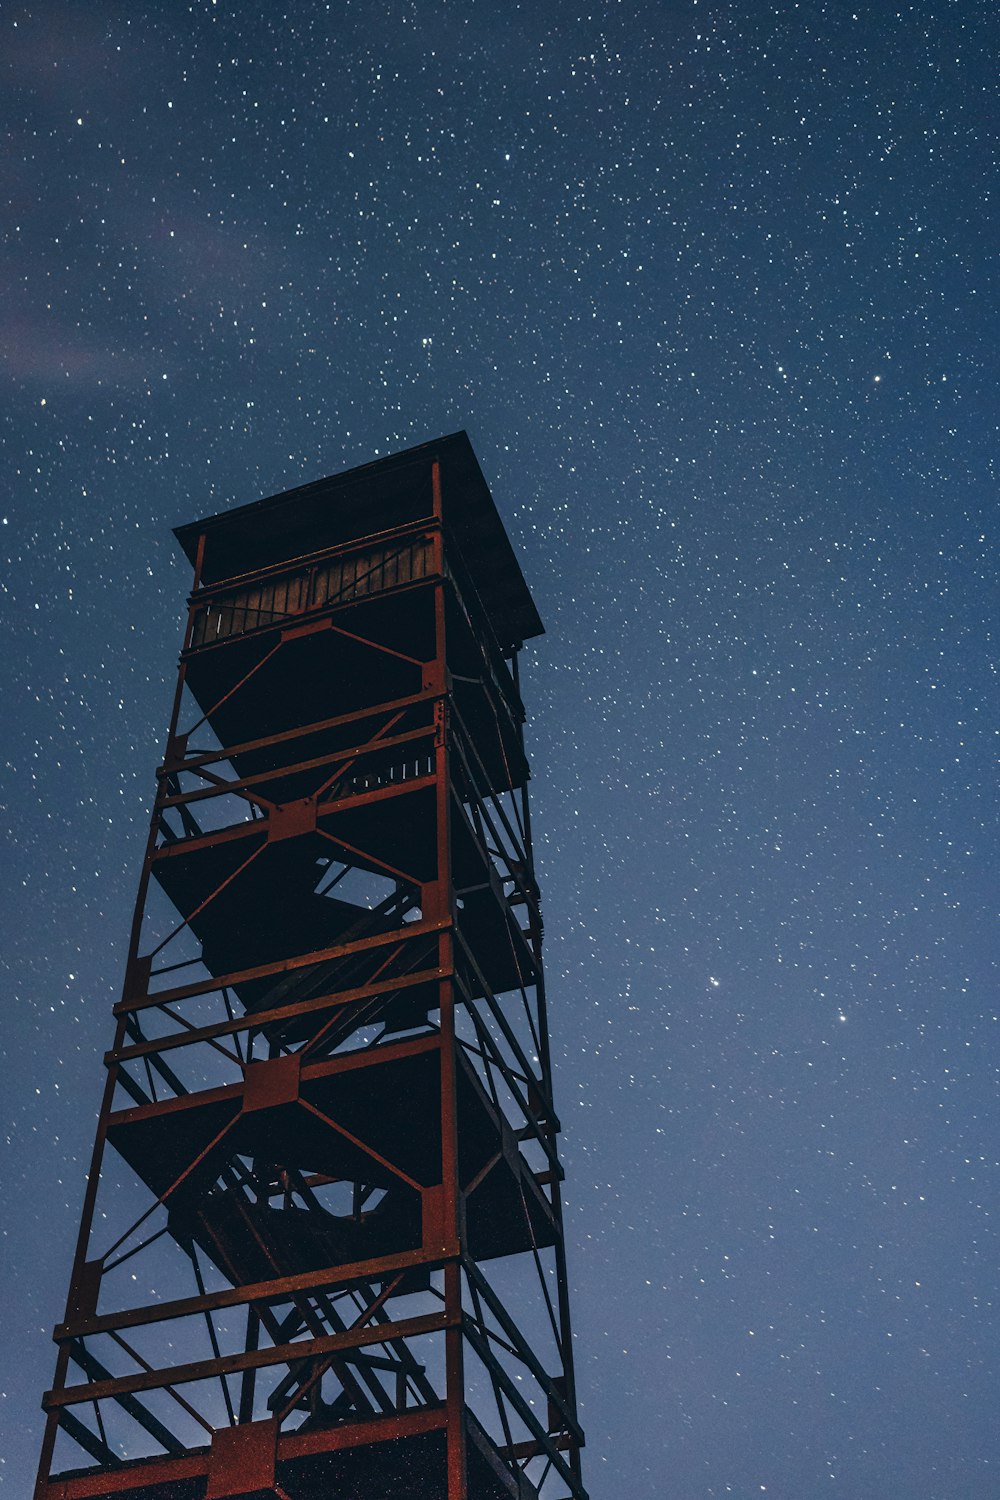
point(711, 286)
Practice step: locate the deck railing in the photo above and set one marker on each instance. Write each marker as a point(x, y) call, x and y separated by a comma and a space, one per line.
point(335, 580)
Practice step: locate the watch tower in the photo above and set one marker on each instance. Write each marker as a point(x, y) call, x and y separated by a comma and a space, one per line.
point(324, 1256)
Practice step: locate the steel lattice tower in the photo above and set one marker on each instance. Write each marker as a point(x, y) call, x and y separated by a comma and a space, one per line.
point(325, 1258)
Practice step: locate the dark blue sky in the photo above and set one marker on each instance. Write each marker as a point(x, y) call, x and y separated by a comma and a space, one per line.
point(712, 287)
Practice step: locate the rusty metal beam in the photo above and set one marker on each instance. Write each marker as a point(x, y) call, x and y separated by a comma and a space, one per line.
point(255, 1020)
point(191, 761)
point(235, 977)
point(256, 1359)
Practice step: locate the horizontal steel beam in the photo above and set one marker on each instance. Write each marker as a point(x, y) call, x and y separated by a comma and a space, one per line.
point(249, 1359)
point(146, 1473)
point(323, 810)
point(235, 977)
point(261, 778)
point(279, 1289)
point(190, 762)
point(254, 1020)
point(345, 1062)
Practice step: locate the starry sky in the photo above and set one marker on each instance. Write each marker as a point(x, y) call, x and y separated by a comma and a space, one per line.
point(711, 286)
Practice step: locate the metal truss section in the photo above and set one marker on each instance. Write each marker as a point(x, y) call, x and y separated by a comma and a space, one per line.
point(324, 1254)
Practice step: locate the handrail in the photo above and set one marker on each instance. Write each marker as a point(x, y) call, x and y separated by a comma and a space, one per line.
point(259, 603)
point(305, 559)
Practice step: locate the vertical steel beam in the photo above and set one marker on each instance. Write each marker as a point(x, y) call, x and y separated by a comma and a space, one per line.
point(454, 1378)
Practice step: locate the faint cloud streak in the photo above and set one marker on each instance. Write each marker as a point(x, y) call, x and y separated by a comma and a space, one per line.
point(45, 354)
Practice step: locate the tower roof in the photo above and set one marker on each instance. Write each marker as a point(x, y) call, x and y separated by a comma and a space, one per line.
point(373, 498)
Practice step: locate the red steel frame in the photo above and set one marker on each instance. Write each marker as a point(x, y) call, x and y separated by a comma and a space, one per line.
point(305, 1356)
